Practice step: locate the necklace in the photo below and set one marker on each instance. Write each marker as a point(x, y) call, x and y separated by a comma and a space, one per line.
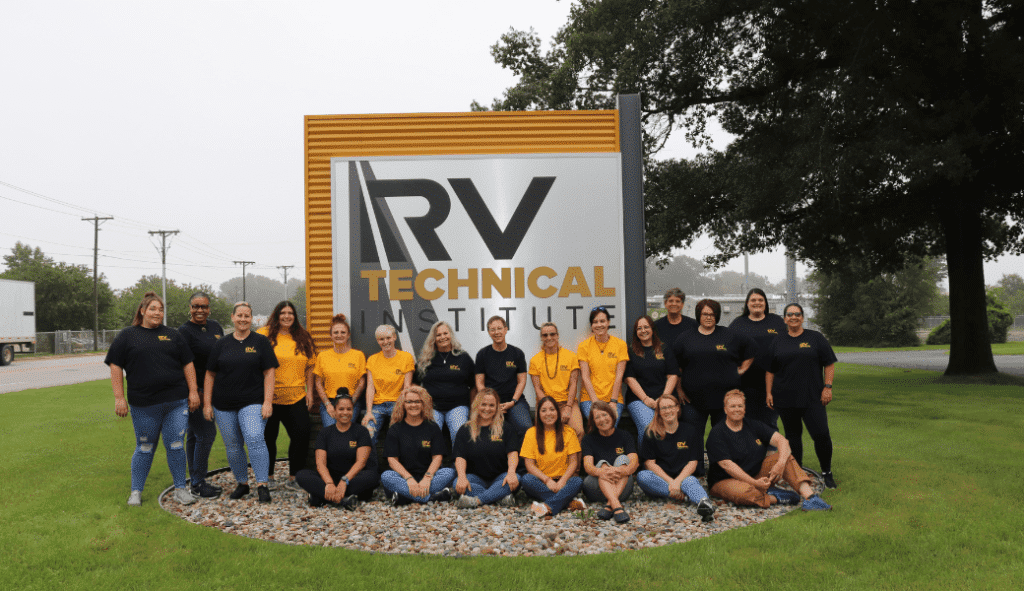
point(599, 347)
point(445, 360)
point(551, 376)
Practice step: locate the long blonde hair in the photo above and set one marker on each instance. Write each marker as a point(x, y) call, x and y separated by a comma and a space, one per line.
point(429, 349)
point(497, 425)
point(398, 414)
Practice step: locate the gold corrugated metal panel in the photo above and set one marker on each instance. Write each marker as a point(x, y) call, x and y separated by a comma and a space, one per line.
point(424, 134)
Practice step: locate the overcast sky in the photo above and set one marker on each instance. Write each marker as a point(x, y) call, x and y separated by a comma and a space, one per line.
point(189, 116)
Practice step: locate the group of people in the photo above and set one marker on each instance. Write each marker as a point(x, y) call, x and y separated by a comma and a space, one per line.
point(678, 374)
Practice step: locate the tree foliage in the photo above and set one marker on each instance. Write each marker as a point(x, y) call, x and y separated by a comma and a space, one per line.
point(264, 293)
point(176, 309)
point(1010, 291)
point(999, 323)
point(855, 309)
point(694, 278)
point(864, 129)
point(64, 292)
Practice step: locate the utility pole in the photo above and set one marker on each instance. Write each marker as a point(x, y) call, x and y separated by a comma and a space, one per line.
point(244, 263)
point(96, 281)
point(163, 260)
point(285, 269)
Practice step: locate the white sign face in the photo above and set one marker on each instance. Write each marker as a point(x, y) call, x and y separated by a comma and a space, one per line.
point(530, 238)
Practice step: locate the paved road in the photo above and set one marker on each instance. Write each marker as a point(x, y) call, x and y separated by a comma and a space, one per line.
point(933, 360)
point(26, 373)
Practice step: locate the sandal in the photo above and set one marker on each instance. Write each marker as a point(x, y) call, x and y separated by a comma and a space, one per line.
point(605, 514)
point(620, 515)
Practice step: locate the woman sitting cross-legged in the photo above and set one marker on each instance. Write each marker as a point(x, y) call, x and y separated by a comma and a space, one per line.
point(486, 455)
point(551, 451)
point(609, 458)
point(345, 469)
point(741, 470)
point(669, 451)
point(414, 447)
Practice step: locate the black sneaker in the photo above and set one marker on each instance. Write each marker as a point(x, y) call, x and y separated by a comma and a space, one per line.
point(393, 499)
point(706, 510)
point(442, 496)
point(206, 490)
point(830, 481)
point(240, 491)
point(314, 503)
point(350, 502)
point(263, 493)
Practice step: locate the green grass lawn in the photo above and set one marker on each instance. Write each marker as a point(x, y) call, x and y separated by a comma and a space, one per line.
point(930, 497)
point(1014, 348)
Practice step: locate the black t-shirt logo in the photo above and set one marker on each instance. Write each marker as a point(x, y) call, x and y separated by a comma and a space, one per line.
point(620, 451)
point(453, 367)
point(772, 331)
point(250, 349)
point(163, 337)
point(719, 347)
point(682, 445)
point(805, 345)
point(425, 444)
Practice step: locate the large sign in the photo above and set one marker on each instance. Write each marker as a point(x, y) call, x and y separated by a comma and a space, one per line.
point(530, 238)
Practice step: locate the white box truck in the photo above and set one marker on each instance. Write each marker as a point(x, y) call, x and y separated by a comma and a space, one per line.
point(17, 319)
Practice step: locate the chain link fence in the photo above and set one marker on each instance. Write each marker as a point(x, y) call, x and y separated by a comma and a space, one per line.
point(64, 342)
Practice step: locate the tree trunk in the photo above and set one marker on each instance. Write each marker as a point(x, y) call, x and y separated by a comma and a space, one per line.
point(970, 351)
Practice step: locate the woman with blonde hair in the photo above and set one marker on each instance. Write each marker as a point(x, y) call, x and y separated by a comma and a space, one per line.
point(388, 373)
point(486, 455)
point(555, 372)
point(414, 447)
point(448, 373)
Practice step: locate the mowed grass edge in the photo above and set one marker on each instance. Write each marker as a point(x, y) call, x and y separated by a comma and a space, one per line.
point(929, 497)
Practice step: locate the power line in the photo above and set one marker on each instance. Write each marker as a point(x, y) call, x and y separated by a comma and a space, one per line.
point(285, 269)
point(244, 263)
point(96, 279)
point(163, 257)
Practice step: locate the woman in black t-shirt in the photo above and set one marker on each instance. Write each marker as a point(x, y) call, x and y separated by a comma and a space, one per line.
point(610, 460)
point(651, 372)
point(799, 385)
point(161, 390)
point(486, 455)
point(345, 472)
point(414, 447)
point(447, 372)
point(239, 393)
point(764, 327)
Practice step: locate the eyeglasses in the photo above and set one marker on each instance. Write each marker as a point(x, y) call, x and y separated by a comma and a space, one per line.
point(709, 315)
point(793, 314)
point(195, 307)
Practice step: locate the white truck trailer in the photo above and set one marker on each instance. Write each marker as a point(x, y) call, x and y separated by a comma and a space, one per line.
point(17, 319)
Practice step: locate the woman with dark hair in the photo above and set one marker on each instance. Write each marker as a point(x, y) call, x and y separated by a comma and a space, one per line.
point(346, 467)
point(502, 367)
point(161, 391)
point(669, 453)
point(414, 448)
point(486, 455)
point(603, 360)
point(555, 372)
point(239, 392)
point(293, 387)
point(711, 361)
point(673, 323)
point(610, 460)
point(448, 373)
point(799, 384)
point(200, 332)
point(651, 372)
point(764, 327)
point(339, 367)
point(551, 451)
point(388, 373)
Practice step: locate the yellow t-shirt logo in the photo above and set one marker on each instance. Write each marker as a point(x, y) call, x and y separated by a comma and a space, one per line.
point(250, 349)
point(353, 444)
point(682, 445)
point(425, 444)
point(805, 345)
point(720, 347)
point(163, 337)
point(510, 364)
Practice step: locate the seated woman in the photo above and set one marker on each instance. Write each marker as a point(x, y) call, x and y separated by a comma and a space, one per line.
point(551, 451)
point(741, 471)
point(414, 447)
point(345, 472)
point(669, 451)
point(486, 455)
point(609, 458)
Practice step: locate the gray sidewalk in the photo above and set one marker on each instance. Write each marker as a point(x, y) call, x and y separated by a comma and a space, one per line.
point(933, 360)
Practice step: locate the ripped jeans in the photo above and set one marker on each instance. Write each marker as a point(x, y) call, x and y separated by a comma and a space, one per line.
point(169, 418)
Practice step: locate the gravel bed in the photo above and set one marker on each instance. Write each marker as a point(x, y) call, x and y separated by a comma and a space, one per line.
point(442, 529)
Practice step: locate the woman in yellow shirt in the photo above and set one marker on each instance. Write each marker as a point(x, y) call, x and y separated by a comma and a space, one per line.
point(551, 451)
point(603, 360)
point(340, 367)
point(387, 374)
point(293, 387)
point(555, 372)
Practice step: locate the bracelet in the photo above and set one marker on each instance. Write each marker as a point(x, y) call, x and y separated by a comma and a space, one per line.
point(829, 386)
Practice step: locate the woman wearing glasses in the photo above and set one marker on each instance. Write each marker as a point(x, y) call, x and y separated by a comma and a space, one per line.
point(603, 360)
point(502, 367)
point(414, 448)
point(711, 361)
point(799, 385)
point(555, 372)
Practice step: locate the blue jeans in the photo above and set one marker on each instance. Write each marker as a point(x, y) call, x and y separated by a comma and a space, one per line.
point(655, 487)
point(245, 426)
point(642, 416)
point(519, 416)
point(455, 418)
point(585, 409)
point(488, 492)
point(556, 501)
point(393, 482)
point(169, 418)
point(201, 435)
point(327, 421)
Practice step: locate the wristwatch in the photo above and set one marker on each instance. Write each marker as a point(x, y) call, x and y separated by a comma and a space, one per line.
point(345, 480)
point(829, 386)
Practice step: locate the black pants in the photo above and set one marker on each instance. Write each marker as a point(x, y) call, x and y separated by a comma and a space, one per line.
point(698, 418)
point(758, 410)
point(814, 416)
point(361, 484)
point(295, 418)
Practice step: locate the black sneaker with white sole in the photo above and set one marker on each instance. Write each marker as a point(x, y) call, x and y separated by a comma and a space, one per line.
point(706, 510)
point(206, 490)
point(830, 481)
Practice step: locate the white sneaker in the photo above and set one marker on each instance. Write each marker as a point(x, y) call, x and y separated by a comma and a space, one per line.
point(183, 496)
point(135, 499)
point(467, 502)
